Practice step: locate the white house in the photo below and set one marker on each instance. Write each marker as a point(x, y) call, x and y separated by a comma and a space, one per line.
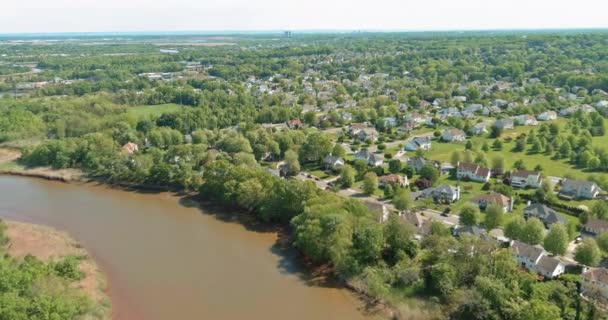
point(422, 143)
point(479, 128)
point(547, 116)
point(485, 200)
point(525, 120)
point(453, 135)
point(536, 259)
point(578, 189)
point(526, 179)
point(473, 172)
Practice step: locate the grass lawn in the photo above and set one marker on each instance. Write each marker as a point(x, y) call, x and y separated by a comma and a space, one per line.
point(443, 151)
point(154, 110)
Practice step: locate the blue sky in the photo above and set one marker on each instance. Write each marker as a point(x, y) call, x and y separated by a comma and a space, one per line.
point(19, 16)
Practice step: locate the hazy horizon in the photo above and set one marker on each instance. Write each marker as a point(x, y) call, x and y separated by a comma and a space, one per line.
point(155, 16)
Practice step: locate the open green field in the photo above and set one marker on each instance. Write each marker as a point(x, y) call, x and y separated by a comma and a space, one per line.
point(443, 151)
point(153, 110)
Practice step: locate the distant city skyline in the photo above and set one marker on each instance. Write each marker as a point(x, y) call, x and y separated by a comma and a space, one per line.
point(52, 16)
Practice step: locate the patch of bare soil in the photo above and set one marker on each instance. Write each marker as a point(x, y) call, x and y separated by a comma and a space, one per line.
point(8, 165)
point(8, 155)
point(48, 244)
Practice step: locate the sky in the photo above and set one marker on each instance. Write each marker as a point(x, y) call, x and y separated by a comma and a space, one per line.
point(47, 16)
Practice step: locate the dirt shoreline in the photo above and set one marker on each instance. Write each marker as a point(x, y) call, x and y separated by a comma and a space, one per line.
point(49, 244)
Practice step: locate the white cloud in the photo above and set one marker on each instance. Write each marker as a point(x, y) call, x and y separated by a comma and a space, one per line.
point(161, 15)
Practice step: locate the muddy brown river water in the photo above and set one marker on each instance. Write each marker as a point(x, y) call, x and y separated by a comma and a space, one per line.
point(167, 260)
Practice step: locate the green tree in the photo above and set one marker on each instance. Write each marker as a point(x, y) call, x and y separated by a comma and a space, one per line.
point(293, 165)
point(370, 183)
point(429, 172)
point(338, 151)
point(515, 228)
point(469, 215)
point(347, 176)
point(533, 232)
point(602, 241)
point(587, 253)
point(494, 216)
point(316, 147)
point(497, 145)
point(455, 158)
point(556, 241)
point(402, 200)
point(395, 166)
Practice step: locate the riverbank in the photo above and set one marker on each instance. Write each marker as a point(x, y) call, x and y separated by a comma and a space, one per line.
point(48, 244)
point(321, 276)
point(9, 166)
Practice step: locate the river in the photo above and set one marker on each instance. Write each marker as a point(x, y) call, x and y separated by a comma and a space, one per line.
point(166, 260)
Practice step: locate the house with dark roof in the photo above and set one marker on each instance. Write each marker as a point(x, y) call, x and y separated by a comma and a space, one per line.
point(595, 226)
point(473, 172)
point(418, 143)
point(578, 189)
point(442, 194)
point(417, 163)
point(545, 214)
point(595, 284)
point(526, 179)
point(471, 230)
point(370, 158)
point(333, 162)
point(485, 200)
point(536, 259)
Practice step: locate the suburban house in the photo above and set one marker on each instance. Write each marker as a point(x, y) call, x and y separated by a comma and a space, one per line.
point(473, 172)
point(443, 194)
point(545, 214)
point(484, 200)
point(129, 148)
point(536, 259)
point(416, 118)
point(578, 189)
point(479, 128)
point(389, 122)
point(407, 126)
point(504, 123)
point(473, 107)
point(446, 168)
point(453, 135)
point(526, 179)
point(417, 163)
point(471, 230)
point(490, 110)
point(367, 134)
point(595, 284)
point(418, 143)
point(369, 157)
point(394, 180)
point(379, 209)
point(547, 116)
point(525, 120)
point(332, 162)
point(294, 124)
point(595, 226)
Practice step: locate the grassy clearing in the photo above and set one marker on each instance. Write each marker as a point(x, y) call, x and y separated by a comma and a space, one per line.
point(154, 110)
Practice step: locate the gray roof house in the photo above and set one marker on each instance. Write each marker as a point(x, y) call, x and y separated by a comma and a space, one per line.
point(545, 214)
